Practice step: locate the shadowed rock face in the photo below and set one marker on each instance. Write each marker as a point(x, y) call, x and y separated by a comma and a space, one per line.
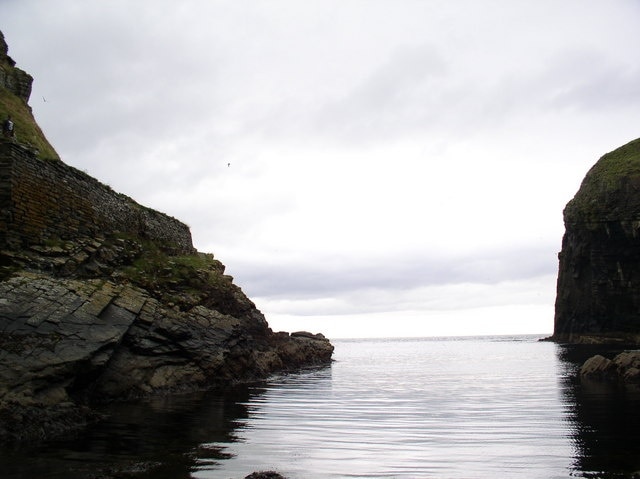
point(103, 299)
point(598, 290)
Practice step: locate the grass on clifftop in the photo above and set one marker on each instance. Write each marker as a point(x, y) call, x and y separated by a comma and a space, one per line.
point(621, 162)
point(27, 130)
point(609, 186)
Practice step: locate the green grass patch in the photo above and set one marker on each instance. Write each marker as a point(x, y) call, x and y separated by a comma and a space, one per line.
point(610, 187)
point(184, 280)
point(26, 129)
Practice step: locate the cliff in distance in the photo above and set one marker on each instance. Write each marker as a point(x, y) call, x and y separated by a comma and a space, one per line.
point(104, 299)
point(598, 289)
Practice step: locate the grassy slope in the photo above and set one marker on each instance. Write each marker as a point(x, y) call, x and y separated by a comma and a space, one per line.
point(27, 130)
point(610, 188)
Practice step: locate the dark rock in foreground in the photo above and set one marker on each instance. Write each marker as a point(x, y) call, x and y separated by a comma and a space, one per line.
point(598, 290)
point(265, 475)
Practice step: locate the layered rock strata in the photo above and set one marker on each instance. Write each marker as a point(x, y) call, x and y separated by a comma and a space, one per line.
point(598, 289)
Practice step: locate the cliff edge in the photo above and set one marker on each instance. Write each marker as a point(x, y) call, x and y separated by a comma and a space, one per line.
point(598, 289)
point(104, 299)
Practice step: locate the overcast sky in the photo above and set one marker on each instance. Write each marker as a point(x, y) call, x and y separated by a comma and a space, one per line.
point(362, 167)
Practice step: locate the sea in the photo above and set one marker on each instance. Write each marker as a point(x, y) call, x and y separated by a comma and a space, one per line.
point(471, 407)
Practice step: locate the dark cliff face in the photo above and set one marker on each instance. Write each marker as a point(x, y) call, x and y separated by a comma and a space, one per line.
point(598, 290)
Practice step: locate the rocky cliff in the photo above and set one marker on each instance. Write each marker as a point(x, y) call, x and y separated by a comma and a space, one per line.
point(598, 289)
point(104, 299)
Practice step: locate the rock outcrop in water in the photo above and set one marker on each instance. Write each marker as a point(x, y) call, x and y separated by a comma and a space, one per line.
point(624, 368)
point(104, 299)
point(598, 290)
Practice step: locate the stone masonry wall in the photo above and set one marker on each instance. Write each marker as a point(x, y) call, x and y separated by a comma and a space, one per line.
point(49, 200)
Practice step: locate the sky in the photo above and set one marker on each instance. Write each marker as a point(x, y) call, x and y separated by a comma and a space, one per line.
point(363, 168)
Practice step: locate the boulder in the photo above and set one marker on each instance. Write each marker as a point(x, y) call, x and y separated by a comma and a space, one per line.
point(265, 475)
point(598, 367)
point(623, 368)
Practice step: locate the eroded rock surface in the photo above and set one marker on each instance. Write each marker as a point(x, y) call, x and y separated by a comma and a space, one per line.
point(79, 336)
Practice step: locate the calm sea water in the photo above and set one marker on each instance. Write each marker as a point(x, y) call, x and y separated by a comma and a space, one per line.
point(415, 408)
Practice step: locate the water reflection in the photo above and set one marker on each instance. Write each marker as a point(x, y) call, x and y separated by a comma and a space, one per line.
point(420, 408)
point(604, 417)
point(286, 416)
point(164, 438)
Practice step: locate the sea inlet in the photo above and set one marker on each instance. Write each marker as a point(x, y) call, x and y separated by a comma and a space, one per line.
point(475, 407)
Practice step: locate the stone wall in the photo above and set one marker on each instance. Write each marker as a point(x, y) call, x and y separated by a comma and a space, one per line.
point(49, 200)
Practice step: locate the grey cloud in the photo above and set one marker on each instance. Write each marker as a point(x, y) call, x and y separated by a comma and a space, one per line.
point(418, 90)
point(121, 70)
point(589, 81)
point(412, 87)
point(318, 279)
point(582, 79)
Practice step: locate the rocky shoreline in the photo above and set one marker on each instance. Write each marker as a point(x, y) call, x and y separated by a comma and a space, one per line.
point(80, 325)
point(94, 320)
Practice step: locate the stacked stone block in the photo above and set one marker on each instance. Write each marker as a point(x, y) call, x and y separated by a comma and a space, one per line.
point(44, 201)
